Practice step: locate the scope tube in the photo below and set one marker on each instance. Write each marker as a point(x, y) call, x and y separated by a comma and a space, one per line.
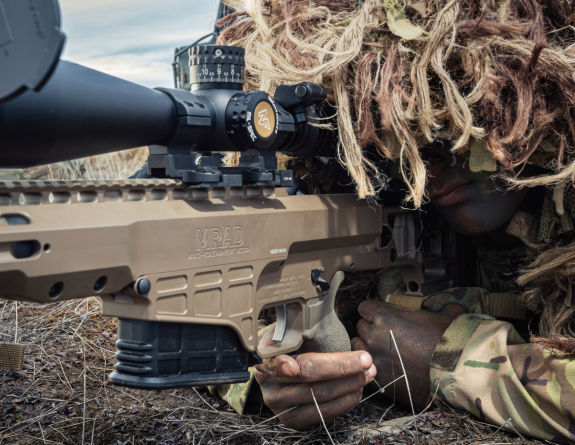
point(82, 112)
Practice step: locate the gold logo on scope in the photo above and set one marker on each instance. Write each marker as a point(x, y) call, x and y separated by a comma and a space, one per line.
point(265, 119)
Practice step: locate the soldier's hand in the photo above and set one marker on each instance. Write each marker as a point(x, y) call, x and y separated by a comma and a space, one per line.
point(416, 332)
point(336, 379)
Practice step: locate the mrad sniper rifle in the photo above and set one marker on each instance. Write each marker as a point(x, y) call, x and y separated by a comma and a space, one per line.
point(187, 259)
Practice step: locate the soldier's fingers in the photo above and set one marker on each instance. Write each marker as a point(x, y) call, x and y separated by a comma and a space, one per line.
point(369, 309)
point(280, 366)
point(314, 367)
point(366, 310)
point(357, 344)
point(306, 416)
point(364, 328)
point(293, 395)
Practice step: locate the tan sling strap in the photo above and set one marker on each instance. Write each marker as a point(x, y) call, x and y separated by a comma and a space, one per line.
point(406, 301)
point(504, 304)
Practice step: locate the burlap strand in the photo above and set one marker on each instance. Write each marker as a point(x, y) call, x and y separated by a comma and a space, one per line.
point(499, 71)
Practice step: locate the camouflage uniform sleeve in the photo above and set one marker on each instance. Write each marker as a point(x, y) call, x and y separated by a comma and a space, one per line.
point(482, 366)
point(236, 394)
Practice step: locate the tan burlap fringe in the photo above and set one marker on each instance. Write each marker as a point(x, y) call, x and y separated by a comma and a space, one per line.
point(501, 71)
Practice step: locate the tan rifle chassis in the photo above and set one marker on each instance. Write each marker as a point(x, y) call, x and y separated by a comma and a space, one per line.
point(215, 257)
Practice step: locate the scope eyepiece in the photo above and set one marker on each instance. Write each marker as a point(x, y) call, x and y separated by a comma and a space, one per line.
point(217, 67)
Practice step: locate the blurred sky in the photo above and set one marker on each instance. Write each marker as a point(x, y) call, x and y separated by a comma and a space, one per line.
point(133, 39)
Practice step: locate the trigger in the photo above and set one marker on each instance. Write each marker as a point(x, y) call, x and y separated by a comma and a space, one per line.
point(281, 325)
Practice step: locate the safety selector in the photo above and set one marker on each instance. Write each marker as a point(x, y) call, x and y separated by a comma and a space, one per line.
point(317, 279)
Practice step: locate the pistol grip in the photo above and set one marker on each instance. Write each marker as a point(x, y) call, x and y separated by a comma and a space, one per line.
point(324, 332)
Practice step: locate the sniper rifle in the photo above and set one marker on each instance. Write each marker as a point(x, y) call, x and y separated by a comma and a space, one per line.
point(188, 258)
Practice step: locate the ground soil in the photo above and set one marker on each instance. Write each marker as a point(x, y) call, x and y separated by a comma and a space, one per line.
point(62, 396)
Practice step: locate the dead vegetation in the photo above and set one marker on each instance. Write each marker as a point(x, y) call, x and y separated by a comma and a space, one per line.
point(121, 164)
point(62, 396)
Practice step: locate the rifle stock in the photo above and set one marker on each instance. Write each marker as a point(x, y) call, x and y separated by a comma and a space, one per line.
point(159, 252)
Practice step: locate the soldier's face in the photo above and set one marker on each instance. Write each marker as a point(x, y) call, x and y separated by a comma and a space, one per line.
point(472, 203)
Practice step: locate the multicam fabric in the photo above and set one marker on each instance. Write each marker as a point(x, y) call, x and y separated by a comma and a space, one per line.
point(236, 394)
point(497, 268)
point(474, 300)
point(483, 366)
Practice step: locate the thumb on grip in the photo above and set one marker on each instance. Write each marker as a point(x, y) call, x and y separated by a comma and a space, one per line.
point(325, 333)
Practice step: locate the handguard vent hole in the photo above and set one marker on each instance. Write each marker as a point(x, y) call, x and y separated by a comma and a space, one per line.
point(112, 195)
point(87, 196)
point(5, 199)
point(219, 193)
point(56, 290)
point(27, 199)
point(269, 192)
point(180, 194)
point(24, 249)
point(236, 192)
point(100, 284)
point(60, 197)
point(159, 194)
point(253, 192)
point(16, 220)
point(47, 247)
point(351, 267)
point(137, 195)
point(199, 194)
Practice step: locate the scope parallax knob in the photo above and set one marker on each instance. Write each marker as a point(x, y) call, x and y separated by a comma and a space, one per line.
point(252, 120)
point(217, 67)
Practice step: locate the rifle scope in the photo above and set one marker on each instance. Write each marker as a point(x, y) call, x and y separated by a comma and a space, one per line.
point(82, 112)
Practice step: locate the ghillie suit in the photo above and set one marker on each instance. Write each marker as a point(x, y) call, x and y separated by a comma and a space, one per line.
point(494, 77)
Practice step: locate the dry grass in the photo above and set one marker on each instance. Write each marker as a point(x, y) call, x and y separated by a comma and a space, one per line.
point(62, 396)
point(117, 165)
